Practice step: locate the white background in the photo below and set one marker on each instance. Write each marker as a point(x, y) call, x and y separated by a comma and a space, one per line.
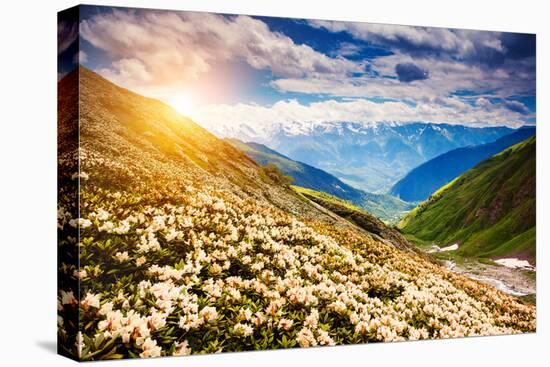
point(28, 181)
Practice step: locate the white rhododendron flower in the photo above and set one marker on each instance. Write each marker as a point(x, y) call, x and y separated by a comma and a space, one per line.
point(182, 349)
point(285, 324)
point(312, 320)
point(209, 314)
point(306, 338)
point(91, 300)
point(150, 349)
point(81, 274)
point(197, 266)
point(81, 175)
point(140, 260)
point(243, 330)
point(80, 222)
point(122, 256)
point(68, 298)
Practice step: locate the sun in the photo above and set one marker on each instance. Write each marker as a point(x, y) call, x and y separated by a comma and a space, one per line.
point(183, 103)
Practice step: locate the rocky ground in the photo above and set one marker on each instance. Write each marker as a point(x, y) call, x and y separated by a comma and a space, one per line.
point(518, 282)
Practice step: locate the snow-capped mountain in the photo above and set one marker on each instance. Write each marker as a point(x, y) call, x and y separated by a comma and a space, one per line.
point(368, 156)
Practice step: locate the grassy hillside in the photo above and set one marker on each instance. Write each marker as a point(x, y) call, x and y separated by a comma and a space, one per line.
point(489, 210)
point(357, 216)
point(184, 247)
point(303, 174)
point(386, 207)
point(422, 181)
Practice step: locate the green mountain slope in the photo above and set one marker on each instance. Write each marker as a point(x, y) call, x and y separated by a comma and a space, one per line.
point(489, 210)
point(357, 216)
point(425, 179)
point(386, 207)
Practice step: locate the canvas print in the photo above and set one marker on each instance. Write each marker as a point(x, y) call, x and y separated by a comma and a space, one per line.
point(235, 183)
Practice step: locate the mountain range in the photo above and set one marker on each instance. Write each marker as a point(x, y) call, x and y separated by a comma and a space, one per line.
point(425, 179)
point(489, 211)
point(369, 157)
point(385, 207)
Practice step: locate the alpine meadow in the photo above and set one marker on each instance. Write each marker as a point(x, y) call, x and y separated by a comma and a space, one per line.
point(235, 183)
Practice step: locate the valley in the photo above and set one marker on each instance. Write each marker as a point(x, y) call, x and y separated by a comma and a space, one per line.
point(516, 281)
point(486, 220)
point(348, 202)
point(370, 158)
point(489, 210)
point(388, 208)
point(419, 184)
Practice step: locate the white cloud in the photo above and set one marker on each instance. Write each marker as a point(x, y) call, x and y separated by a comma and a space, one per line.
point(253, 121)
point(160, 53)
point(80, 57)
point(460, 42)
point(446, 77)
point(67, 33)
point(517, 106)
point(155, 49)
point(419, 36)
point(347, 49)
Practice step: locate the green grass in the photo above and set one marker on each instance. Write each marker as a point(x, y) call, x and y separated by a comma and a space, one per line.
point(417, 241)
point(326, 197)
point(385, 210)
point(530, 299)
point(357, 216)
point(489, 210)
point(523, 243)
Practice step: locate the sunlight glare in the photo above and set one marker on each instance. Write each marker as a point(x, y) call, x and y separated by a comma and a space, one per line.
point(183, 103)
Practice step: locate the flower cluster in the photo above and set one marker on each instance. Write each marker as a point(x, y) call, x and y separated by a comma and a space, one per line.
point(171, 268)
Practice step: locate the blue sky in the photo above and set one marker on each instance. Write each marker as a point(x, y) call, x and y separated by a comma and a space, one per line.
point(223, 68)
